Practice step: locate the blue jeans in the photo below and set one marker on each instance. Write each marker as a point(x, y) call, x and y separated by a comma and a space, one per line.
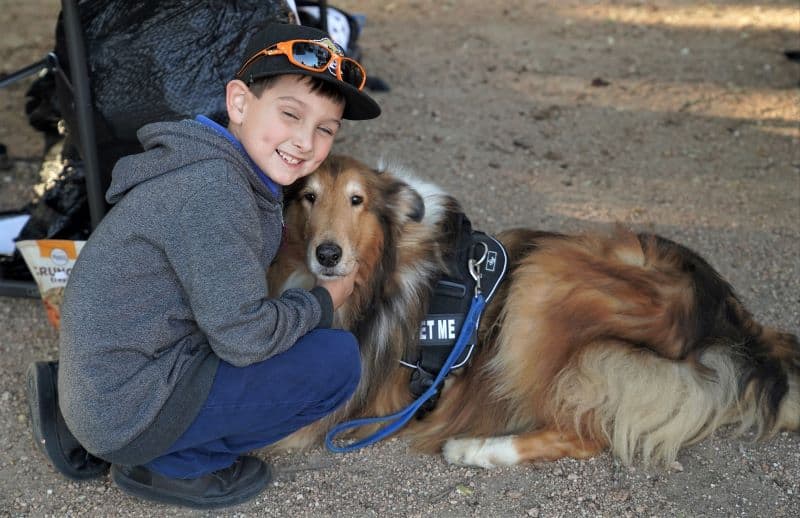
point(253, 406)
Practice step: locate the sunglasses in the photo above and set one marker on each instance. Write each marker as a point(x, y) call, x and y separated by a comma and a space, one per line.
point(314, 56)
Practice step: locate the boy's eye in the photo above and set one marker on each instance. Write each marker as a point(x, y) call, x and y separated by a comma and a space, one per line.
point(291, 115)
point(326, 131)
point(356, 199)
point(310, 197)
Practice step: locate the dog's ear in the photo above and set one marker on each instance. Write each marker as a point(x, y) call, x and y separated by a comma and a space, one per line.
point(406, 203)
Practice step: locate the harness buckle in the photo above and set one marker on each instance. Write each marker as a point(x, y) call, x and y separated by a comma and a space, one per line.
point(421, 381)
point(475, 267)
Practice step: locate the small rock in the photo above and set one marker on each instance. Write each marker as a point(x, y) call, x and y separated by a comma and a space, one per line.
point(551, 112)
point(620, 495)
point(463, 490)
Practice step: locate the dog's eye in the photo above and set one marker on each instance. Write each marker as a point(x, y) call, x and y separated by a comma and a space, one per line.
point(310, 197)
point(356, 199)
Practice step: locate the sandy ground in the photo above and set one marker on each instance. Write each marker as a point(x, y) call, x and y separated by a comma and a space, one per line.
point(675, 116)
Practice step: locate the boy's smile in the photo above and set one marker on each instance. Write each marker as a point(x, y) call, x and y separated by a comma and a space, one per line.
point(289, 130)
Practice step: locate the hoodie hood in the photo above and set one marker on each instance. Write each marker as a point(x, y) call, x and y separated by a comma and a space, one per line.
point(172, 145)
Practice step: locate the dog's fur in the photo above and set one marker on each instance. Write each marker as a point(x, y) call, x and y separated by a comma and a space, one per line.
point(628, 342)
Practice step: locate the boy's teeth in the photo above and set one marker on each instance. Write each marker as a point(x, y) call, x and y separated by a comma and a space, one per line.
point(289, 159)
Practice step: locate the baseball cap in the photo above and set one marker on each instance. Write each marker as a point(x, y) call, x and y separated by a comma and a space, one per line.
point(358, 105)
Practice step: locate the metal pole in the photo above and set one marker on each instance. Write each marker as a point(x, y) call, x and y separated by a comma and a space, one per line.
point(79, 75)
point(22, 73)
point(323, 15)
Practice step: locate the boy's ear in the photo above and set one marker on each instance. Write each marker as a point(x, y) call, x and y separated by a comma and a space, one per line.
point(236, 100)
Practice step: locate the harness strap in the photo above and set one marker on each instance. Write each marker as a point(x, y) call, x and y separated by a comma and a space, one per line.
point(399, 419)
point(486, 263)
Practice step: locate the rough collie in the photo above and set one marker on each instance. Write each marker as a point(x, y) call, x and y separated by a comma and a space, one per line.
point(624, 341)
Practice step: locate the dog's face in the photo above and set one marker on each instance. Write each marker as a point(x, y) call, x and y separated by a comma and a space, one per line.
point(345, 213)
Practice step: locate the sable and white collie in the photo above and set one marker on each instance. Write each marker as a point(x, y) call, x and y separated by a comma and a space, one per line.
point(628, 342)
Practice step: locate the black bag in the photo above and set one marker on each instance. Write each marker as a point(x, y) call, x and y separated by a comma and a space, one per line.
point(150, 61)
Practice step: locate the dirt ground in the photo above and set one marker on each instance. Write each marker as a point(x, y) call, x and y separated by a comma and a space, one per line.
point(681, 117)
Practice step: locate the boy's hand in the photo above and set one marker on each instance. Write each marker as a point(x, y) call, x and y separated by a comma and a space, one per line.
point(340, 288)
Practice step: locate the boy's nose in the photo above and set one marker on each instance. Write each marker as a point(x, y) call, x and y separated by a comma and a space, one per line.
point(303, 140)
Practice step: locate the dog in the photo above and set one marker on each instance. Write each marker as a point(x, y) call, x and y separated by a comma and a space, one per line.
point(628, 342)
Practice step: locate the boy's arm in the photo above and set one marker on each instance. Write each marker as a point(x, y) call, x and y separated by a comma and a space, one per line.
point(326, 305)
point(217, 259)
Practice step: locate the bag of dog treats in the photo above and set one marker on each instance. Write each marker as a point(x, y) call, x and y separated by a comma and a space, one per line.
point(50, 261)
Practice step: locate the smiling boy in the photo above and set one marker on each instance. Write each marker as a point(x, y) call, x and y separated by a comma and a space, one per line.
point(174, 362)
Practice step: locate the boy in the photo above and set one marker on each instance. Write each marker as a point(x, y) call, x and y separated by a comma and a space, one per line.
point(173, 360)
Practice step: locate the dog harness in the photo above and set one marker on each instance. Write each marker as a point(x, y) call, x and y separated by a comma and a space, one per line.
point(486, 261)
point(478, 264)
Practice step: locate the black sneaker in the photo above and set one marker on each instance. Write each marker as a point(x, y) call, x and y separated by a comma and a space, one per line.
point(50, 432)
point(243, 480)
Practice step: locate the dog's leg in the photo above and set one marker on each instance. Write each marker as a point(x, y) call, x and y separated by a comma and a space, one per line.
point(513, 449)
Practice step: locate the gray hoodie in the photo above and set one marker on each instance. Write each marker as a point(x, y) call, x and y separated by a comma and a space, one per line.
point(170, 282)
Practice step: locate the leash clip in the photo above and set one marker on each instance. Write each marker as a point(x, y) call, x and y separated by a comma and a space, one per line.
point(475, 267)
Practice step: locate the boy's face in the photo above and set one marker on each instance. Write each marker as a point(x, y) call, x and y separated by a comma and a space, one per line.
point(288, 131)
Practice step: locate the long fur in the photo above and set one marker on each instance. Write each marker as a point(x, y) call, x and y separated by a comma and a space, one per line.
point(621, 341)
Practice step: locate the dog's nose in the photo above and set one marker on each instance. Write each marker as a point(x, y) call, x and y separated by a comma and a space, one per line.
point(328, 254)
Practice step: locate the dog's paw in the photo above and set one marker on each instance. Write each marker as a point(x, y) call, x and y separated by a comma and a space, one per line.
point(484, 453)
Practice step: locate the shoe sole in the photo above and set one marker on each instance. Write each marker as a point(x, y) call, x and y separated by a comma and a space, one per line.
point(37, 389)
point(41, 389)
point(145, 492)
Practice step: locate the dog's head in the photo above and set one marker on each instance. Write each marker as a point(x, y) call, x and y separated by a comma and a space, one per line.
point(393, 226)
point(347, 214)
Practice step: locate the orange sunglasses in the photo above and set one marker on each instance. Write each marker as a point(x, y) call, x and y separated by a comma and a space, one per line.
point(314, 56)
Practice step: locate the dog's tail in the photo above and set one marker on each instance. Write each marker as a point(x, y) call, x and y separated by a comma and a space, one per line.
point(649, 402)
point(644, 405)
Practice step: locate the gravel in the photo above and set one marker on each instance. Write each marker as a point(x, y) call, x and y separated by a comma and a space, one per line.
point(669, 116)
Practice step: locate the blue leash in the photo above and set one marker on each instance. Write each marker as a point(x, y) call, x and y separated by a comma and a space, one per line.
point(399, 419)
